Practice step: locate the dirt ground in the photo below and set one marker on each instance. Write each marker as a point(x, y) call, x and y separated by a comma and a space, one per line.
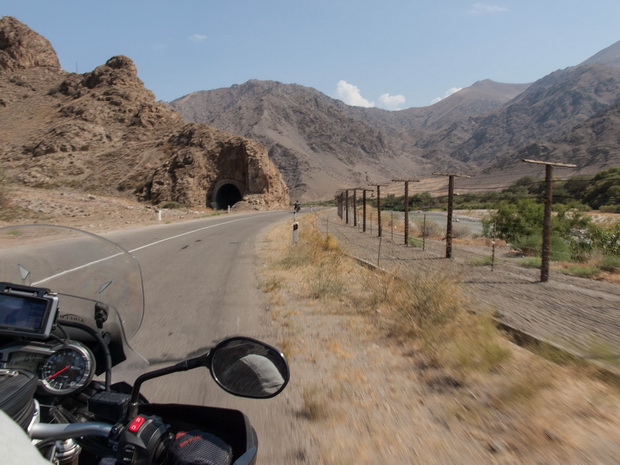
point(359, 396)
point(92, 213)
point(367, 398)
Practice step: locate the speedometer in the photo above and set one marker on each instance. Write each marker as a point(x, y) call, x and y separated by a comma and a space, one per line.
point(69, 369)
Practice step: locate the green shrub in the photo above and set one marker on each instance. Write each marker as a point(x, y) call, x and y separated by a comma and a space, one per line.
point(486, 260)
point(611, 264)
point(531, 262)
point(414, 241)
point(582, 271)
point(171, 205)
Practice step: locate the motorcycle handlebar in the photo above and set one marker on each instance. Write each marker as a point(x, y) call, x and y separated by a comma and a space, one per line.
point(69, 430)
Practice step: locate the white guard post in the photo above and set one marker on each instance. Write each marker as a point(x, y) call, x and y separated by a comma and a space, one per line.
point(295, 232)
point(158, 214)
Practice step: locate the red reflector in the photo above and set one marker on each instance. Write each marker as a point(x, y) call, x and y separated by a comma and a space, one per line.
point(135, 425)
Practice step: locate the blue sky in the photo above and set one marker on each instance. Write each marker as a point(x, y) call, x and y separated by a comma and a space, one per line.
point(391, 54)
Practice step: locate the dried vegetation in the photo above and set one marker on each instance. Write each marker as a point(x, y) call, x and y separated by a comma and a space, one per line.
point(399, 369)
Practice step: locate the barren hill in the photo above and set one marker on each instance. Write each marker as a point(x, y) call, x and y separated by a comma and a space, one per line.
point(321, 144)
point(103, 132)
point(314, 140)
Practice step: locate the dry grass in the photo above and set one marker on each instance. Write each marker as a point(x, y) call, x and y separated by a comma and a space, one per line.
point(379, 359)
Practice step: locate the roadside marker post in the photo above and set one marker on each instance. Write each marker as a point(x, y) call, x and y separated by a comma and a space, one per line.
point(295, 232)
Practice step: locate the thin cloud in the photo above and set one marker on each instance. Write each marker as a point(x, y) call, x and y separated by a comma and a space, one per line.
point(351, 95)
point(197, 38)
point(392, 102)
point(482, 8)
point(448, 93)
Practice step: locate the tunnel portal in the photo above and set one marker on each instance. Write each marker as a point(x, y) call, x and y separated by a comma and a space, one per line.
point(226, 195)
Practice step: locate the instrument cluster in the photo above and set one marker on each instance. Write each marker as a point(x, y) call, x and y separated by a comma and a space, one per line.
point(62, 368)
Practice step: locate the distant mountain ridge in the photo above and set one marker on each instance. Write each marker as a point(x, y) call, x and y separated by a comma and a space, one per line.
point(609, 56)
point(321, 144)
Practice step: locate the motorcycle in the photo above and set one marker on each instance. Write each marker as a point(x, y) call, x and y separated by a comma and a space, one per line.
point(69, 303)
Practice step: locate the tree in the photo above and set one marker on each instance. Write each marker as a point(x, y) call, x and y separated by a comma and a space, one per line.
point(521, 219)
point(604, 190)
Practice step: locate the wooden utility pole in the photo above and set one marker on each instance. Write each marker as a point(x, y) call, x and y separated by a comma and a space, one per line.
point(378, 186)
point(346, 205)
point(364, 208)
point(451, 177)
point(406, 205)
point(546, 244)
point(338, 201)
point(354, 207)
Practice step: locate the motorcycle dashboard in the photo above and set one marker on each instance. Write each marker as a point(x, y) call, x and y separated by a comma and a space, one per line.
point(61, 368)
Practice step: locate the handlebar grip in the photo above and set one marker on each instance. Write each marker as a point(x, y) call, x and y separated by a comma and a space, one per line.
point(69, 430)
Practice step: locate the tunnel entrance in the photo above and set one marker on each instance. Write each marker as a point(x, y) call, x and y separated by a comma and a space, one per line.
point(225, 196)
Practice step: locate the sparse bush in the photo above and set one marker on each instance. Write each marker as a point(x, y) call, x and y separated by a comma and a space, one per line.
point(610, 264)
point(314, 406)
point(324, 281)
point(531, 262)
point(330, 243)
point(415, 242)
point(428, 228)
point(460, 231)
point(487, 260)
point(433, 310)
point(171, 205)
point(583, 271)
point(531, 245)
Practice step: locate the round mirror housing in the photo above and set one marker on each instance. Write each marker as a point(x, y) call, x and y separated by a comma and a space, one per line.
point(247, 367)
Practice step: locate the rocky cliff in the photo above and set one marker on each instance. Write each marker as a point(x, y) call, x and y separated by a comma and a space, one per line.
point(103, 132)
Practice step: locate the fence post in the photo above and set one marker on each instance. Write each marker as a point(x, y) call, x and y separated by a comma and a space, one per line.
point(493, 243)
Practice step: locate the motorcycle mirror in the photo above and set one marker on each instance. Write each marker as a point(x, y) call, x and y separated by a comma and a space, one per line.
point(247, 367)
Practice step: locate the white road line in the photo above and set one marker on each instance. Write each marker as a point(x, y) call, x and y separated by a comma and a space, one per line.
point(139, 248)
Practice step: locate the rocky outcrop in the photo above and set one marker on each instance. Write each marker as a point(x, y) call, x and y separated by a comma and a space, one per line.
point(103, 132)
point(238, 171)
point(22, 48)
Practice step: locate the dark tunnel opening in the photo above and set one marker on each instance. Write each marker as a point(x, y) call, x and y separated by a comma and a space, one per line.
point(226, 196)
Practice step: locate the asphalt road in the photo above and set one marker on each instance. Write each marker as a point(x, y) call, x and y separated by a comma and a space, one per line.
point(201, 286)
point(199, 282)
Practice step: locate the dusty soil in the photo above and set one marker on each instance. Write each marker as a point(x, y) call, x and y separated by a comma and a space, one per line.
point(368, 398)
point(93, 213)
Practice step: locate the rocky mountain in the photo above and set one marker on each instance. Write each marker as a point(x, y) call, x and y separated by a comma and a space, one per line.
point(320, 144)
point(547, 110)
point(103, 132)
point(484, 128)
point(313, 139)
point(609, 56)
